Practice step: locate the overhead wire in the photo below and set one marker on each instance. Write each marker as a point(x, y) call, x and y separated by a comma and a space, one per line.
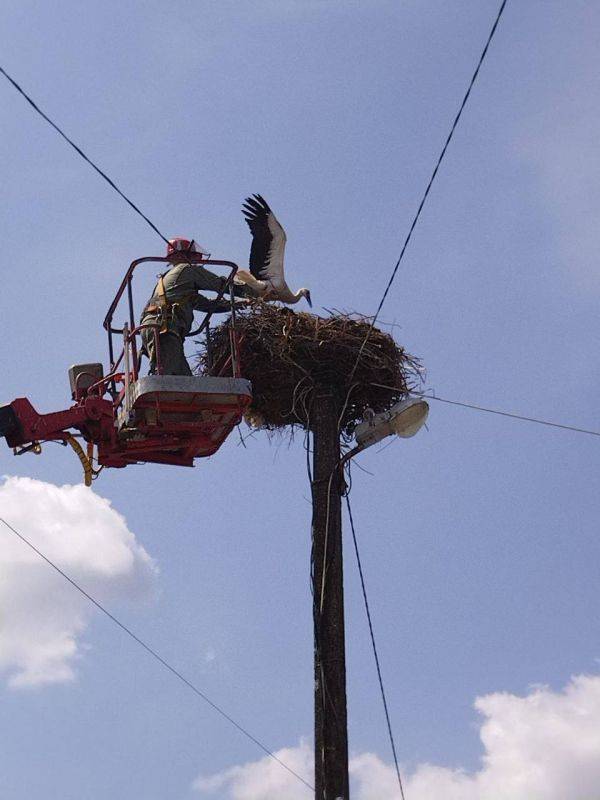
point(357, 552)
point(374, 645)
point(94, 166)
point(430, 184)
point(499, 412)
point(156, 656)
point(368, 334)
point(79, 588)
point(550, 424)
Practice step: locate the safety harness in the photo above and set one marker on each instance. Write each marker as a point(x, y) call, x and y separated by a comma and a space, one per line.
point(165, 309)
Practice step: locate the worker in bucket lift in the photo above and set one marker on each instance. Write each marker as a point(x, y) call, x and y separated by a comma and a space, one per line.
point(172, 305)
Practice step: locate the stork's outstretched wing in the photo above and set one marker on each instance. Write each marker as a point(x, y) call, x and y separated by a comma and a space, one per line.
point(268, 240)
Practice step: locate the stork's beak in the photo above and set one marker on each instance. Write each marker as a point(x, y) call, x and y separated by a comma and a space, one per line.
point(308, 300)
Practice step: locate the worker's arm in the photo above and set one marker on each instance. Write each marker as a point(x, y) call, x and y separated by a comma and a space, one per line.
point(201, 303)
point(204, 279)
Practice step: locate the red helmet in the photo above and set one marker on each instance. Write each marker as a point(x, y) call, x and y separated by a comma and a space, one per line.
point(181, 245)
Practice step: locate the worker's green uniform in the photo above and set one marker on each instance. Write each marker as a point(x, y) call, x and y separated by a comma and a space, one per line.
point(174, 312)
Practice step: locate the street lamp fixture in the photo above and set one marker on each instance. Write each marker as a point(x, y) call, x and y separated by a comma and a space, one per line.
point(404, 419)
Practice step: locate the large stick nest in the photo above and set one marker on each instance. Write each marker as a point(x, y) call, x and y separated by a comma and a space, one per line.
point(287, 355)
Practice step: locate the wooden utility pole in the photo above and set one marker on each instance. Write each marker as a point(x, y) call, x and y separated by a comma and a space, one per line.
point(331, 734)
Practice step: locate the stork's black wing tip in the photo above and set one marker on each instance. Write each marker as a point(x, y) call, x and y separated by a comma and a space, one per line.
point(263, 202)
point(257, 203)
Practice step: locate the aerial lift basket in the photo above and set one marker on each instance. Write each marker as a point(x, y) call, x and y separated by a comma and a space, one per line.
point(127, 418)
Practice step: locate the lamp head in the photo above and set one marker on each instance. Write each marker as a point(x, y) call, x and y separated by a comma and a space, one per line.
point(403, 419)
point(409, 417)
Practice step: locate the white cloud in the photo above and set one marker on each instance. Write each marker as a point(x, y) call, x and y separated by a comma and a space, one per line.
point(264, 779)
point(42, 617)
point(543, 746)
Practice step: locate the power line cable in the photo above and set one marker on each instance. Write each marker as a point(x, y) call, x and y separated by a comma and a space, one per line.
point(430, 183)
point(364, 343)
point(587, 431)
point(81, 153)
point(536, 420)
point(374, 645)
point(159, 658)
point(359, 562)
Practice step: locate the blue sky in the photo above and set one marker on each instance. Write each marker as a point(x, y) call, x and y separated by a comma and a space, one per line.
point(479, 536)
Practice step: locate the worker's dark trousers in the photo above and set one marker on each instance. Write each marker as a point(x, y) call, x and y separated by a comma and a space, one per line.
point(172, 357)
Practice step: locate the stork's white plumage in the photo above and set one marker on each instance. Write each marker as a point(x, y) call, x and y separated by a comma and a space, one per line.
point(266, 274)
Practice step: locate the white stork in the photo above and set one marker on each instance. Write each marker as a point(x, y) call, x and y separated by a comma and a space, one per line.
point(266, 255)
